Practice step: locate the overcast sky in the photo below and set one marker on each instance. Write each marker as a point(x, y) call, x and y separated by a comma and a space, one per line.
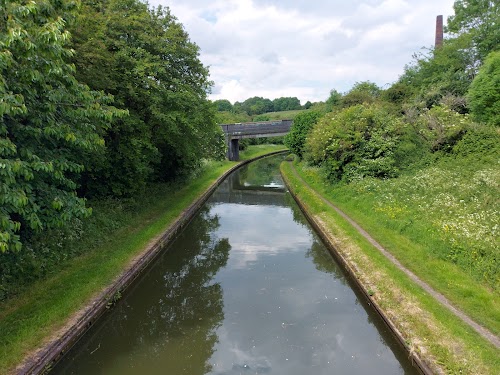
point(305, 48)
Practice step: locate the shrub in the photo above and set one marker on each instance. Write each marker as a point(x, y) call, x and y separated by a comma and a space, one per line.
point(302, 125)
point(442, 127)
point(357, 142)
point(484, 92)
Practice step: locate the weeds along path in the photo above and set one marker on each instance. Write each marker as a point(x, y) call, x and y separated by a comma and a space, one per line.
point(495, 340)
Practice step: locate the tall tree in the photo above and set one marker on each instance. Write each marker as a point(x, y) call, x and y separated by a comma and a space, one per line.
point(152, 68)
point(480, 19)
point(223, 105)
point(48, 121)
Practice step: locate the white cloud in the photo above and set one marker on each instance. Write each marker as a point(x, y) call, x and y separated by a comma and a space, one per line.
point(299, 48)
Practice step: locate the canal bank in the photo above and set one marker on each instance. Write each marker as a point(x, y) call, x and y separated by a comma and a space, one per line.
point(40, 315)
point(246, 287)
point(429, 329)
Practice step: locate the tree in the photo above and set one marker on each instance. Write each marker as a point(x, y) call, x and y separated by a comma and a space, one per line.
point(480, 19)
point(286, 104)
point(434, 74)
point(361, 92)
point(484, 92)
point(302, 125)
point(334, 99)
point(153, 70)
point(48, 121)
point(223, 105)
point(255, 106)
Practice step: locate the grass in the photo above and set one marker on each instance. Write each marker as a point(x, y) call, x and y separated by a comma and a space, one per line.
point(283, 115)
point(34, 315)
point(444, 341)
point(408, 216)
point(256, 150)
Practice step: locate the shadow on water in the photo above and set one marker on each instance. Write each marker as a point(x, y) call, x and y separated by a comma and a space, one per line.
point(246, 288)
point(170, 326)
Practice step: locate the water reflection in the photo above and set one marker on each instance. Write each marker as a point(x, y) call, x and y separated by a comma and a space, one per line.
point(167, 323)
point(248, 288)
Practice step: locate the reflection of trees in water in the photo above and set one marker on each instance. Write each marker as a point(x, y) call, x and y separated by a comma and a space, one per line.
point(297, 214)
point(319, 254)
point(261, 172)
point(172, 314)
point(323, 260)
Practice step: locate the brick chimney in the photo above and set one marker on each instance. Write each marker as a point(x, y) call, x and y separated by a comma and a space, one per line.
point(439, 32)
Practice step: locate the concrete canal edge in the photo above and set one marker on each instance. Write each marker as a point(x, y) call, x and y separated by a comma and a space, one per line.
point(46, 357)
point(416, 360)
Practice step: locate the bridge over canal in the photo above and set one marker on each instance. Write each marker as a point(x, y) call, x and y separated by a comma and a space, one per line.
point(235, 132)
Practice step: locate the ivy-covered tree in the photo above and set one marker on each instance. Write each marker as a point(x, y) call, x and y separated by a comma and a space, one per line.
point(48, 121)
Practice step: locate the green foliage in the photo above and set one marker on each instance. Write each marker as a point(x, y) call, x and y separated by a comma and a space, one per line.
point(286, 104)
point(441, 127)
point(450, 207)
point(448, 70)
point(398, 93)
point(259, 106)
point(302, 125)
point(334, 100)
point(232, 117)
point(480, 142)
point(360, 93)
point(484, 92)
point(223, 105)
point(48, 122)
point(354, 143)
point(254, 106)
point(265, 117)
point(480, 19)
point(153, 71)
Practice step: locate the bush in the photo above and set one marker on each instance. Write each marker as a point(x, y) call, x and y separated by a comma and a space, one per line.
point(302, 125)
point(357, 142)
point(479, 141)
point(442, 127)
point(484, 92)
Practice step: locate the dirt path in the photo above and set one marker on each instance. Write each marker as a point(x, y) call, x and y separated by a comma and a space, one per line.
point(485, 333)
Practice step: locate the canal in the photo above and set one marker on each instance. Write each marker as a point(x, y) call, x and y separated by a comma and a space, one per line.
point(246, 288)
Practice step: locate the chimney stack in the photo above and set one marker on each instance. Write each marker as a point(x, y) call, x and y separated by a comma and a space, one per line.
point(439, 32)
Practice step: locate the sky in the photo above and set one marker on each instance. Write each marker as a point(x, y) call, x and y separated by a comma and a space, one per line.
point(305, 48)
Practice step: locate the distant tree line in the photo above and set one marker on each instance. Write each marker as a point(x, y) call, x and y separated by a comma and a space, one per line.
point(258, 105)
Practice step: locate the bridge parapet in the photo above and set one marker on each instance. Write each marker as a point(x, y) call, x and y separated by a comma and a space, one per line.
point(237, 131)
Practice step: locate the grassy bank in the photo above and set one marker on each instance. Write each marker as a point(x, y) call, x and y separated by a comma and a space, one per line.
point(38, 311)
point(441, 339)
point(282, 115)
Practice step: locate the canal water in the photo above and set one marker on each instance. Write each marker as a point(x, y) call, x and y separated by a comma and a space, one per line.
point(246, 288)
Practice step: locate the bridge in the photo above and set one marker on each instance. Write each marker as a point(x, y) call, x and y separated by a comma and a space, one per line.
point(235, 132)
